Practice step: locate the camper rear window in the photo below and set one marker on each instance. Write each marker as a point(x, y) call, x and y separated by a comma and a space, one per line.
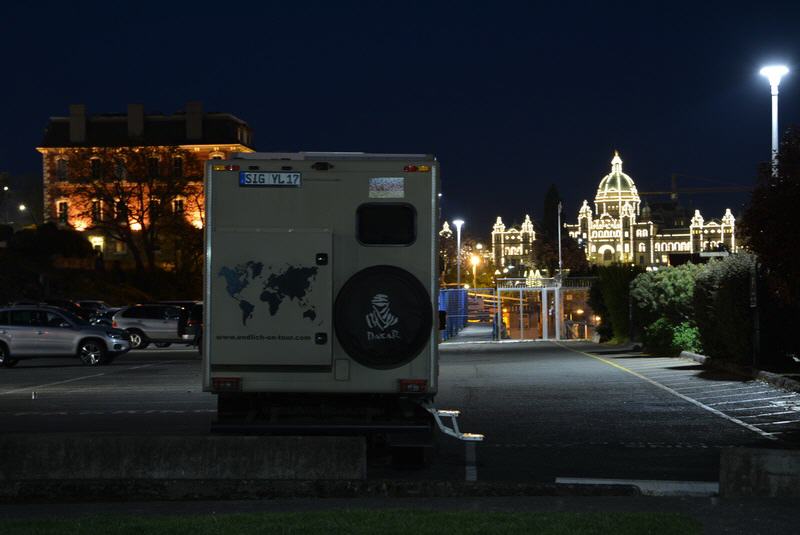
point(386, 224)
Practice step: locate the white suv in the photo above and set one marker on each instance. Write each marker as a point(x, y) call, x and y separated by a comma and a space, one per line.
point(32, 331)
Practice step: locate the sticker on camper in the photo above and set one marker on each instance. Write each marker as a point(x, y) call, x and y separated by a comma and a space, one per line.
point(386, 188)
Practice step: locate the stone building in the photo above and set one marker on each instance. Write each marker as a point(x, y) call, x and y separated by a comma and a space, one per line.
point(513, 246)
point(192, 133)
point(621, 229)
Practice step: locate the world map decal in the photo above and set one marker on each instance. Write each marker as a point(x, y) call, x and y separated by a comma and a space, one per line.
point(250, 285)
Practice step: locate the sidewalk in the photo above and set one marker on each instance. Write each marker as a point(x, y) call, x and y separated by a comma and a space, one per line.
point(473, 332)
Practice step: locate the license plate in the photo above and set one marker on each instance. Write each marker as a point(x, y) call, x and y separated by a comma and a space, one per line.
point(267, 179)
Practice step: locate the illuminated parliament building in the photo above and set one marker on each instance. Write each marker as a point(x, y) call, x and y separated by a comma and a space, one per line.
point(620, 229)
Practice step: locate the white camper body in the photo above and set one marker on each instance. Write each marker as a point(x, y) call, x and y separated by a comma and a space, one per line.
point(321, 274)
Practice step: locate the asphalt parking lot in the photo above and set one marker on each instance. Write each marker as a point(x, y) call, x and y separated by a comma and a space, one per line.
point(548, 411)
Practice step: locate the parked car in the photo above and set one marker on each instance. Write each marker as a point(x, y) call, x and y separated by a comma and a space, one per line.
point(93, 305)
point(190, 325)
point(104, 317)
point(149, 323)
point(30, 331)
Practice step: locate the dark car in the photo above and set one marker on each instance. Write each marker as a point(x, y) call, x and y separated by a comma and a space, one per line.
point(190, 324)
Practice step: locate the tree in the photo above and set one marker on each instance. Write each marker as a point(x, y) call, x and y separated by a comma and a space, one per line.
point(549, 223)
point(613, 285)
point(769, 225)
point(128, 193)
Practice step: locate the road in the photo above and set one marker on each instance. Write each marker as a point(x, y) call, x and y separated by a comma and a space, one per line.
point(548, 410)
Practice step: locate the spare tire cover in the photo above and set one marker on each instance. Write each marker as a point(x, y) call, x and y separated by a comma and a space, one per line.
point(383, 317)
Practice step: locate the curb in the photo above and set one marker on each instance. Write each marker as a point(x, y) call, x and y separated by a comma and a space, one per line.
point(105, 490)
point(768, 377)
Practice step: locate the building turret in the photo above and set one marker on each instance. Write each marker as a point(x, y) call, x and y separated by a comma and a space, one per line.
point(729, 231)
point(498, 234)
point(696, 232)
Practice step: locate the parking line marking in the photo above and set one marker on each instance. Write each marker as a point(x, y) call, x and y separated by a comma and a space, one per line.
point(45, 385)
point(33, 387)
point(736, 394)
point(768, 414)
point(676, 393)
point(750, 400)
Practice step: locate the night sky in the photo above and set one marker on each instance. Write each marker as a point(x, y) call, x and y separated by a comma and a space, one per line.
point(510, 97)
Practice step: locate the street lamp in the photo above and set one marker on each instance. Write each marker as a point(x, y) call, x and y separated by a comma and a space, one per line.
point(559, 240)
point(475, 260)
point(458, 223)
point(774, 73)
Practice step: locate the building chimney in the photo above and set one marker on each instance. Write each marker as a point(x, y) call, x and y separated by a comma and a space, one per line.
point(135, 121)
point(194, 121)
point(77, 123)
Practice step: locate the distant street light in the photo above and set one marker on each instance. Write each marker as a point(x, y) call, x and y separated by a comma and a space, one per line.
point(23, 209)
point(458, 223)
point(774, 73)
point(475, 260)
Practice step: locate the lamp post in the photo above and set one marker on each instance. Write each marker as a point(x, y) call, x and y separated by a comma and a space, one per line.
point(774, 73)
point(458, 223)
point(559, 240)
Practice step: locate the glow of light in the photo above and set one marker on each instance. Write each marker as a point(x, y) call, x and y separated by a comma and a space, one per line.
point(475, 260)
point(466, 286)
point(774, 73)
point(579, 311)
point(80, 226)
point(458, 223)
point(197, 223)
point(5, 188)
point(136, 226)
point(479, 246)
point(22, 207)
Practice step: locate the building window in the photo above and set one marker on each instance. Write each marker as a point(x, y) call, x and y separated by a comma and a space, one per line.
point(152, 167)
point(61, 169)
point(63, 211)
point(119, 169)
point(642, 248)
point(177, 206)
point(97, 210)
point(177, 167)
point(120, 211)
point(97, 168)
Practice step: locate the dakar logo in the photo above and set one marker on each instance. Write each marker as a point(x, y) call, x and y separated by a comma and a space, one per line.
point(381, 317)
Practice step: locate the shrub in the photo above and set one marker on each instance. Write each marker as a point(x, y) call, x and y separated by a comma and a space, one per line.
point(658, 337)
point(686, 337)
point(665, 337)
point(666, 293)
point(722, 308)
point(614, 286)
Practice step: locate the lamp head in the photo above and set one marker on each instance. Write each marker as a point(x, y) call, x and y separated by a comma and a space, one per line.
point(22, 207)
point(458, 223)
point(774, 73)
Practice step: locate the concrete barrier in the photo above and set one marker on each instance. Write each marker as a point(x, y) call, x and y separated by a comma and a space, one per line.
point(759, 472)
point(101, 457)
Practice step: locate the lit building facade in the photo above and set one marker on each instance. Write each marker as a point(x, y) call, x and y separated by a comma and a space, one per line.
point(192, 134)
point(620, 229)
point(513, 246)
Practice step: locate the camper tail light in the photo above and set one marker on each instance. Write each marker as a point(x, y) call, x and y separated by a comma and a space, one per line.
point(413, 386)
point(417, 169)
point(225, 167)
point(226, 384)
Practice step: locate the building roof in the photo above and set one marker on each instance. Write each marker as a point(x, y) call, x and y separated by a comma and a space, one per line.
point(111, 130)
point(616, 184)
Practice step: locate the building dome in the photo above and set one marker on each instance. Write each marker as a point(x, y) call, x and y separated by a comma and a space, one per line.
point(616, 188)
